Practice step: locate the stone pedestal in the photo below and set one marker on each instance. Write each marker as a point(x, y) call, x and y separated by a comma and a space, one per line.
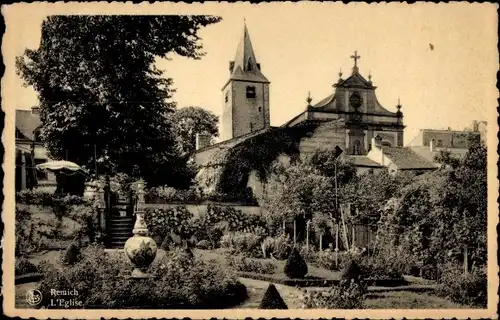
point(140, 248)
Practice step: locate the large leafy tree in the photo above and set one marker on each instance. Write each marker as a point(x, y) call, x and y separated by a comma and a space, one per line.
point(103, 103)
point(191, 121)
point(440, 214)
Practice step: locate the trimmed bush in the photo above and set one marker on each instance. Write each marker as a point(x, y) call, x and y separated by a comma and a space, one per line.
point(272, 299)
point(24, 266)
point(295, 266)
point(72, 254)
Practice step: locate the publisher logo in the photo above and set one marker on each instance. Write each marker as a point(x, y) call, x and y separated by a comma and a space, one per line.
point(33, 297)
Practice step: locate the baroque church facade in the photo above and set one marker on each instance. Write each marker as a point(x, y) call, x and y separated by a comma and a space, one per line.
point(351, 118)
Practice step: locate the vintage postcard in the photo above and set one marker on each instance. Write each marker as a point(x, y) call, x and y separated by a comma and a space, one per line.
point(305, 160)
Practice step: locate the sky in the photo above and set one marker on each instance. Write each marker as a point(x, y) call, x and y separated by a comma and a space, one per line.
point(302, 47)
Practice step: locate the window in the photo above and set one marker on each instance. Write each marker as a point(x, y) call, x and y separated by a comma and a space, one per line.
point(440, 143)
point(356, 147)
point(249, 64)
point(386, 143)
point(36, 135)
point(260, 109)
point(250, 92)
point(227, 97)
point(40, 175)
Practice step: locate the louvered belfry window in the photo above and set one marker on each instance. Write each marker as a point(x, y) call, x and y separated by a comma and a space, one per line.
point(250, 92)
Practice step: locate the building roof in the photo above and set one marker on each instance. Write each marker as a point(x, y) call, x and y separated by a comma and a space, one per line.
point(362, 161)
point(27, 122)
point(245, 66)
point(356, 80)
point(425, 152)
point(405, 158)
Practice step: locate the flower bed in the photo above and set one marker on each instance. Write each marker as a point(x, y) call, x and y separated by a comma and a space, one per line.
point(103, 281)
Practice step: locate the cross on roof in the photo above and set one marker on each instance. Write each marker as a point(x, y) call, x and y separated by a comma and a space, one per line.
point(355, 57)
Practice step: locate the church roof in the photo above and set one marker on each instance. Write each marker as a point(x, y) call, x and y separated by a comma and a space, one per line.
point(405, 158)
point(27, 122)
point(362, 161)
point(245, 66)
point(356, 80)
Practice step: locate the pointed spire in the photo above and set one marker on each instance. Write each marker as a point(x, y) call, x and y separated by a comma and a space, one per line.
point(245, 56)
point(309, 99)
point(399, 113)
point(370, 76)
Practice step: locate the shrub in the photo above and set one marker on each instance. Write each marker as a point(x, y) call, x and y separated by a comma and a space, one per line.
point(72, 254)
point(295, 266)
point(429, 272)
point(101, 280)
point(379, 268)
point(24, 266)
point(34, 233)
point(326, 259)
point(249, 265)
point(162, 222)
point(353, 272)
point(242, 243)
point(309, 253)
point(467, 289)
point(214, 236)
point(277, 247)
point(166, 243)
point(373, 268)
point(346, 295)
point(272, 299)
point(87, 218)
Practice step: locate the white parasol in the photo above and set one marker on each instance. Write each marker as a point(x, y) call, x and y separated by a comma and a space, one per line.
point(60, 166)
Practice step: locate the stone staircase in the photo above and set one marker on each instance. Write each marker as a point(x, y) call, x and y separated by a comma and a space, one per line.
point(119, 230)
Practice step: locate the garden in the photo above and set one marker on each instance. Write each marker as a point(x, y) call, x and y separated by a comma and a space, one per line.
point(429, 250)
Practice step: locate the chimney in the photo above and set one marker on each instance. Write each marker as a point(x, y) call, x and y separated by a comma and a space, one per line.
point(376, 142)
point(431, 145)
point(202, 140)
point(475, 126)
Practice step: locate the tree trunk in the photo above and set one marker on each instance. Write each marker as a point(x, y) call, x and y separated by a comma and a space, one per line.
point(294, 232)
point(307, 236)
point(466, 262)
point(353, 236)
point(321, 242)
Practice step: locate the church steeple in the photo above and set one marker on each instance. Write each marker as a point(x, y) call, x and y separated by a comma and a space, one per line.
point(245, 65)
point(246, 93)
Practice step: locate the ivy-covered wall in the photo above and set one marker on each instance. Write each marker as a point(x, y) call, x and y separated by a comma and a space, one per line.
point(226, 174)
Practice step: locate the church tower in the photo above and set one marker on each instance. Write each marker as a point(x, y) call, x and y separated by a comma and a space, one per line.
point(245, 94)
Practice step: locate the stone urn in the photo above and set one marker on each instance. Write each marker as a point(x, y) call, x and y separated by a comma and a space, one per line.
point(140, 248)
point(90, 190)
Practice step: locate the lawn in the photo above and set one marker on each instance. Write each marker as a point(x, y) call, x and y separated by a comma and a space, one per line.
point(408, 300)
point(219, 256)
